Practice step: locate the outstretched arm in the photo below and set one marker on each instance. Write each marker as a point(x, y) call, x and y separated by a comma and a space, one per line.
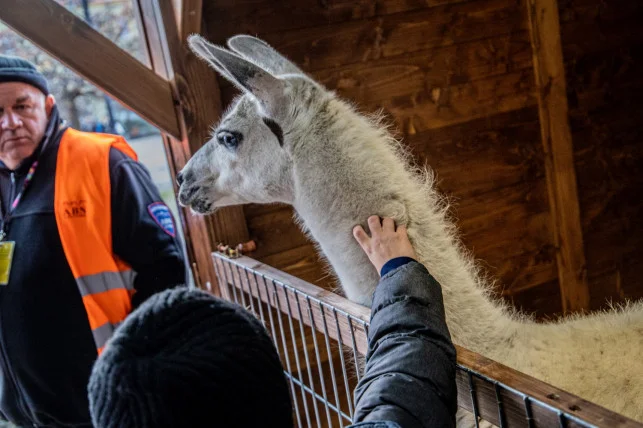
point(410, 365)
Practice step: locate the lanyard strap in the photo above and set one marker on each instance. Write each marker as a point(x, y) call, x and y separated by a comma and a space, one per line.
point(7, 216)
point(25, 184)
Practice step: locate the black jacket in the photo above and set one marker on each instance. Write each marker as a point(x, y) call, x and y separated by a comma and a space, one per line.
point(46, 346)
point(409, 380)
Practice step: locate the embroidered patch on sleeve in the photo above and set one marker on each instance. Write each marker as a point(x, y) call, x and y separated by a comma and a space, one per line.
point(162, 216)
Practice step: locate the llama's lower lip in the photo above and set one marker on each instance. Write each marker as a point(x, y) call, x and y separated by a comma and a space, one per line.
point(186, 195)
point(202, 206)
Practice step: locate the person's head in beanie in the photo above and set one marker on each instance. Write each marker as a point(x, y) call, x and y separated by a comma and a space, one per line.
point(25, 107)
point(186, 358)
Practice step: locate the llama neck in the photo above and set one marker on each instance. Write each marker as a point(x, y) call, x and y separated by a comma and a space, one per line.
point(353, 172)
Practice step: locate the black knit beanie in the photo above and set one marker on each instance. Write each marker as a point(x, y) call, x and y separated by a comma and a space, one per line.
point(187, 359)
point(14, 69)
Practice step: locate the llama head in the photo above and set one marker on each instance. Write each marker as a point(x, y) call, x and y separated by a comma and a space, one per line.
point(248, 157)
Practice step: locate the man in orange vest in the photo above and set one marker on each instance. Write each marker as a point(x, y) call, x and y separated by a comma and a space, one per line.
point(84, 239)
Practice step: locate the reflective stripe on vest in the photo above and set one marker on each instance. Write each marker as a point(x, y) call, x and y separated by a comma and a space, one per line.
point(82, 207)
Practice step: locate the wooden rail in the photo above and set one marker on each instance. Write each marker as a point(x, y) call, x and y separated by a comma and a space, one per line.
point(519, 397)
point(496, 393)
point(195, 88)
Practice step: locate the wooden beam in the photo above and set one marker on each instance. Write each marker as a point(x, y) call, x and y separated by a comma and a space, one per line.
point(191, 18)
point(194, 84)
point(559, 154)
point(68, 38)
point(178, 12)
point(200, 100)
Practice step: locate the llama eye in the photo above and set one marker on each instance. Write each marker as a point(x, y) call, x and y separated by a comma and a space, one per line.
point(229, 139)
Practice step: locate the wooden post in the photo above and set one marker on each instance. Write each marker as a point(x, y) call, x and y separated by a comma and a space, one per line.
point(198, 107)
point(559, 154)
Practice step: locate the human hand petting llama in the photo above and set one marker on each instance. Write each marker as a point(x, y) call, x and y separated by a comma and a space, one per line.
point(288, 139)
point(386, 243)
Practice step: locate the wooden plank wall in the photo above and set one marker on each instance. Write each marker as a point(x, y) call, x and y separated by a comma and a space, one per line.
point(603, 52)
point(456, 79)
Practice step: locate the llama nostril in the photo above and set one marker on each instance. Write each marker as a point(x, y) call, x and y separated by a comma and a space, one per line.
point(179, 178)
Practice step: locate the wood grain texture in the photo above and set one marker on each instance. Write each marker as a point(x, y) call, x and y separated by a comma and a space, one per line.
point(460, 103)
point(509, 232)
point(440, 86)
point(328, 46)
point(493, 171)
point(559, 159)
point(375, 80)
point(603, 51)
point(93, 56)
point(304, 263)
point(191, 17)
point(514, 405)
point(263, 16)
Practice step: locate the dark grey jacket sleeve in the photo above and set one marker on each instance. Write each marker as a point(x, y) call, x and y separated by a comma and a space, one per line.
point(410, 367)
point(148, 243)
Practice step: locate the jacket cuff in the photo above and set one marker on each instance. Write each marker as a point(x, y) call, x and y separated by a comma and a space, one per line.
point(411, 280)
point(394, 264)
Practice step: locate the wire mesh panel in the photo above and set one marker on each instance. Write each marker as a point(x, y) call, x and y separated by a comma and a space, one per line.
point(321, 339)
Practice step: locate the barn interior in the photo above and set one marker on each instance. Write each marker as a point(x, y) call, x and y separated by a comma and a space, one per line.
point(526, 110)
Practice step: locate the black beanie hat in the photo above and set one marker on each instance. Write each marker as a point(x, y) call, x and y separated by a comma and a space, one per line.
point(187, 359)
point(14, 69)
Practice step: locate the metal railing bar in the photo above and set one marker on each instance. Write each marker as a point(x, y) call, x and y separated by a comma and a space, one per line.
point(319, 364)
point(285, 349)
point(474, 400)
point(501, 410)
point(259, 302)
point(522, 395)
point(355, 360)
point(225, 279)
point(243, 297)
point(231, 281)
point(347, 387)
point(528, 412)
point(250, 296)
point(296, 351)
point(302, 332)
point(330, 360)
point(318, 397)
point(272, 322)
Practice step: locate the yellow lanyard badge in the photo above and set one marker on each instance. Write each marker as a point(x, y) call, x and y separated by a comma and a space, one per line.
point(6, 257)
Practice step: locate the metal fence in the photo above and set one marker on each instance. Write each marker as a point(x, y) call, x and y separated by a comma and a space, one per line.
point(321, 338)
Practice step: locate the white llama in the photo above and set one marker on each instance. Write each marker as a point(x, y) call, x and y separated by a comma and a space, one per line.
point(288, 139)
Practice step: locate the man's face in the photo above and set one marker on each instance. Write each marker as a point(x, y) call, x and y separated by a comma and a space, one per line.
point(24, 113)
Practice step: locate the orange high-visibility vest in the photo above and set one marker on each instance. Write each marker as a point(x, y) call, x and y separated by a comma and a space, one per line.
point(82, 207)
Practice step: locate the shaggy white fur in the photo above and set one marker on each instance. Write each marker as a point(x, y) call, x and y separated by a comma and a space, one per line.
point(288, 139)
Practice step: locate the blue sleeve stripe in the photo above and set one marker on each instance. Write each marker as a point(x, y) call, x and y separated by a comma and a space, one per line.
point(394, 264)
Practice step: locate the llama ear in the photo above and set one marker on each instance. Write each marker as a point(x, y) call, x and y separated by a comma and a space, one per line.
point(262, 54)
point(247, 76)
